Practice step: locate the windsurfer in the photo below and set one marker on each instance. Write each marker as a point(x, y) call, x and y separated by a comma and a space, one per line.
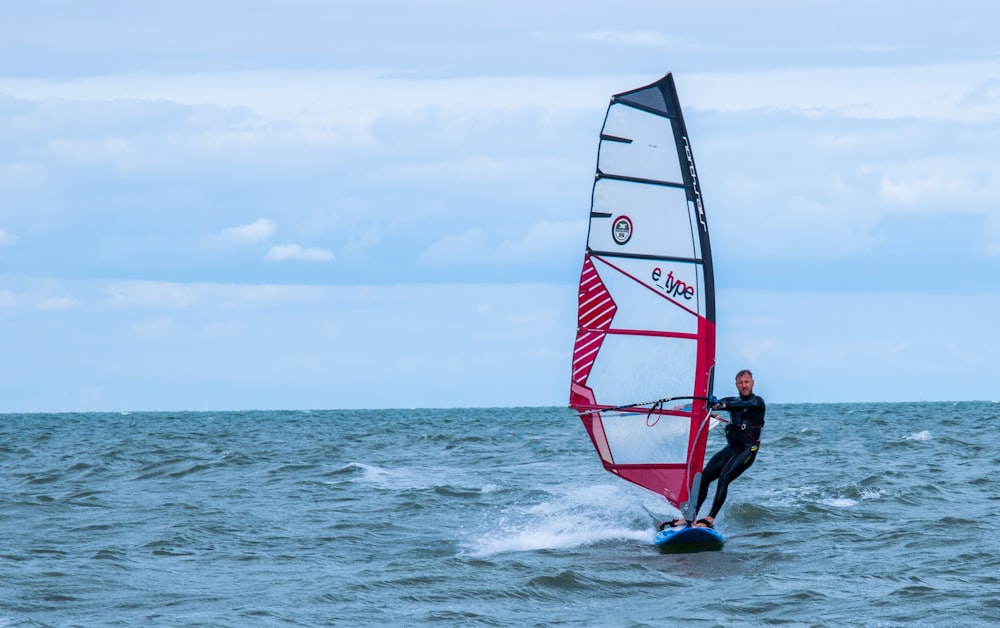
point(746, 421)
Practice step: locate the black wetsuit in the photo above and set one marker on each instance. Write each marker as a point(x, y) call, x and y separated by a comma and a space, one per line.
point(742, 440)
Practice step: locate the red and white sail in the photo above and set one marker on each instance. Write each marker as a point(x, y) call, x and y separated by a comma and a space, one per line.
point(646, 324)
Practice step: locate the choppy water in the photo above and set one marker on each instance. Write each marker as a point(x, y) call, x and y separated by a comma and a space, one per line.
point(863, 514)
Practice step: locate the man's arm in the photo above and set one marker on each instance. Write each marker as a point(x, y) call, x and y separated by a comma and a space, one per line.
point(738, 403)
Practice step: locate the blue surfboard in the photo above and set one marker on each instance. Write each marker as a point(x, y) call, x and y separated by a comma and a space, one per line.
point(685, 539)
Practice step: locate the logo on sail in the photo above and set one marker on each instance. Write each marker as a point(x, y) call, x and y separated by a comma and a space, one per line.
point(621, 229)
point(673, 286)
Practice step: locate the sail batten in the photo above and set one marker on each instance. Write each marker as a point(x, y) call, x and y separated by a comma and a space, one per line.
point(646, 305)
point(604, 255)
point(620, 177)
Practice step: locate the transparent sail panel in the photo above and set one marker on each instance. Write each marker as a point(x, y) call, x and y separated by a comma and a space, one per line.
point(638, 439)
point(630, 369)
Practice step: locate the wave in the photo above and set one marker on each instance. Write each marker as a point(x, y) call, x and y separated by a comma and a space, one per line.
point(565, 518)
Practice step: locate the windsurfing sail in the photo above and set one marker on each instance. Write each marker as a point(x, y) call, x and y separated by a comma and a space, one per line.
point(645, 343)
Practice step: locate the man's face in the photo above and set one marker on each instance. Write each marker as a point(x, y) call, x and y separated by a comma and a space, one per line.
point(744, 384)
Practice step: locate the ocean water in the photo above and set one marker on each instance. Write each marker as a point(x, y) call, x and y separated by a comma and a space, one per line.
point(859, 514)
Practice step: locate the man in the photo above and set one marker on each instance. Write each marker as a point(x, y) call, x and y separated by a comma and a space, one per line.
point(746, 420)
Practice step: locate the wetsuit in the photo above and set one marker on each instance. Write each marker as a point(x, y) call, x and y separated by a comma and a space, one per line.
point(742, 440)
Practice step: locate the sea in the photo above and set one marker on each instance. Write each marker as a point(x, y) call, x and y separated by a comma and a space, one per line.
point(866, 514)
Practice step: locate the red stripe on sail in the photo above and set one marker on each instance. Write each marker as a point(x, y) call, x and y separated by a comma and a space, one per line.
point(596, 311)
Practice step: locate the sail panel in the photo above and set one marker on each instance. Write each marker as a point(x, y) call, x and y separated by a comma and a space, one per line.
point(636, 439)
point(657, 219)
point(643, 358)
point(643, 154)
point(659, 97)
point(668, 295)
point(642, 308)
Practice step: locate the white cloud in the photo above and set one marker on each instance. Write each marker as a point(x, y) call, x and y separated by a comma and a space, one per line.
point(942, 185)
point(796, 227)
point(543, 241)
point(991, 235)
point(156, 327)
point(59, 303)
point(465, 248)
point(476, 344)
point(365, 238)
point(651, 39)
point(151, 294)
point(252, 233)
point(874, 346)
point(172, 296)
point(466, 345)
point(8, 298)
point(311, 97)
point(285, 252)
point(947, 91)
point(7, 238)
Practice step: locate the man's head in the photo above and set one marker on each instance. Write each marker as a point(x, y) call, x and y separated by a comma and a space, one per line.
point(744, 383)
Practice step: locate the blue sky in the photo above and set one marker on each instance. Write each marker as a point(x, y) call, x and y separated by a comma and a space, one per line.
point(374, 203)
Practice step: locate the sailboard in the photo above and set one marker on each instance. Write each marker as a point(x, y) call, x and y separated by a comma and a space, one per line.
point(644, 355)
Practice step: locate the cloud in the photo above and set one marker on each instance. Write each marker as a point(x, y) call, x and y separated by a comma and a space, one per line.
point(544, 241)
point(8, 298)
point(942, 184)
point(785, 178)
point(151, 294)
point(365, 238)
point(802, 340)
point(456, 249)
point(252, 233)
point(477, 343)
point(652, 39)
point(159, 326)
point(986, 93)
point(991, 234)
point(315, 99)
point(285, 252)
point(59, 303)
point(947, 91)
point(265, 346)
point(202, 297)
point(7, 238)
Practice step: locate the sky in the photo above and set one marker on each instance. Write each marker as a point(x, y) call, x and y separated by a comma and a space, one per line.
point(305, 204)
